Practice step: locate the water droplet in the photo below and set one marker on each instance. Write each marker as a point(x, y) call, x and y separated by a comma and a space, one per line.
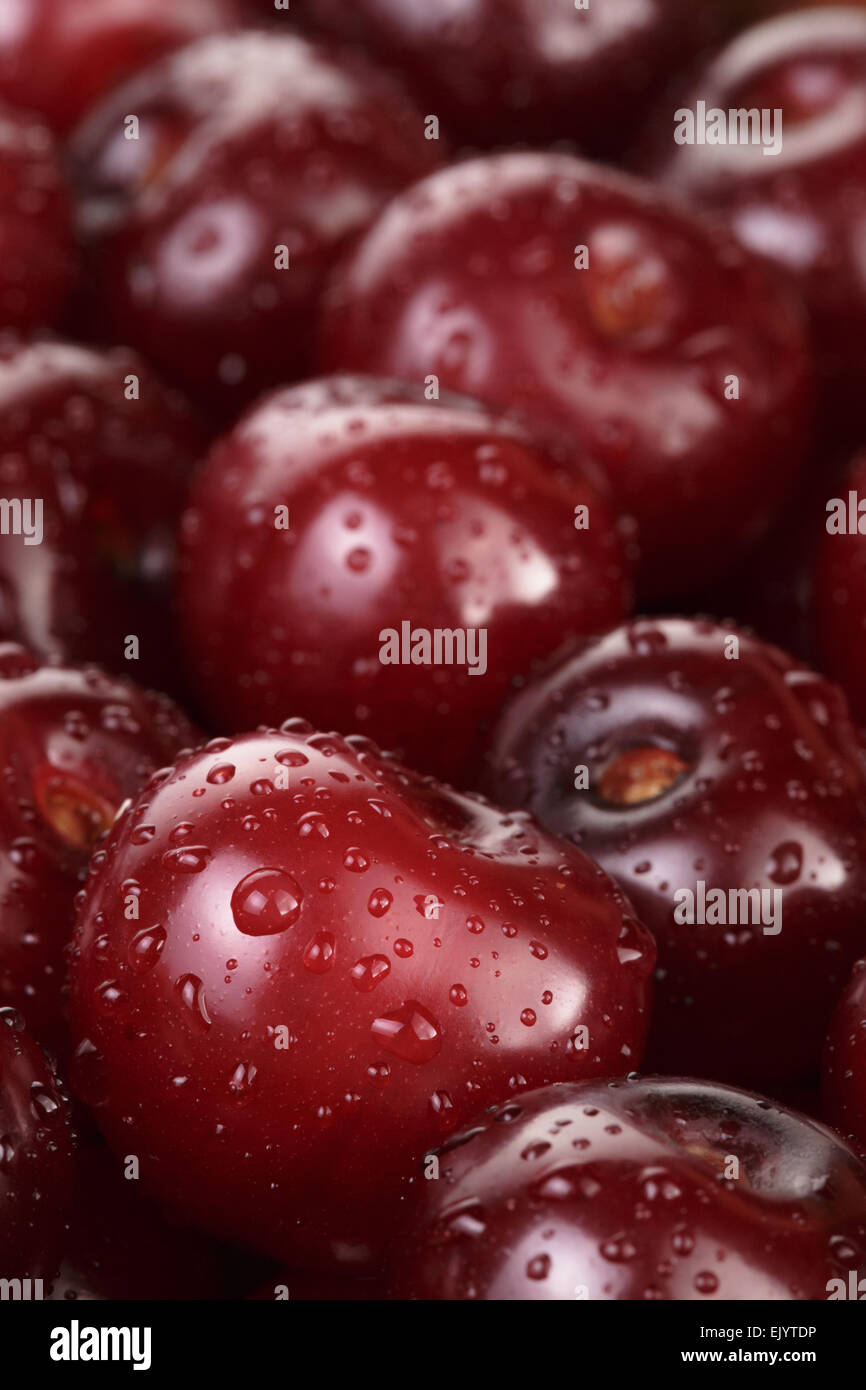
point(528, 1018)
point(403, 948)
point(192, 859)
point(47, 1107)
point(538, 1267)
point(355, 861)
point(145, 948)
point(786, 862)
point(191, 991)
point(267, 901)
point(319, 953)
point(379, 902)
point(369, 971)
point(458, 995)
point(410, 1032)
point(222, 773)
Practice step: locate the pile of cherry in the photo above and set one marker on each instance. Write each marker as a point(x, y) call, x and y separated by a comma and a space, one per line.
point(369, 325)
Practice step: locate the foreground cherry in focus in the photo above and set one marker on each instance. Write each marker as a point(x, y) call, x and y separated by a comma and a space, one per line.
point(258, 158)
point(650, 1188)
point(37, 254)
point(103, 451)
point(73, 746)
point(728, 798)
point(335, 963)
point(802, 206)
point(58, 56)
point(37, 1170)
point(600, 310)
point(342, 511)
point(499, 71)
point(843, 1089)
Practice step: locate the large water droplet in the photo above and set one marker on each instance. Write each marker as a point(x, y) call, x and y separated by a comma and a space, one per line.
point(410, 1032)
point(267, 901)
point(369, 971)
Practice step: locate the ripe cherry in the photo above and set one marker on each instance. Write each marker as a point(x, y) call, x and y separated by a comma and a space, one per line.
point(843, 1087)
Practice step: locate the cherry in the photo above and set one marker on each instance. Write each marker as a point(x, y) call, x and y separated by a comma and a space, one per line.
point(337, 512)
point(695, 763)
point(839, 586)
point(678, 365)
point(498, 71)
point(801, 207)
point(335, 962)
point(37, 255)
point(36, 1163)
point(58, 56)
point(649, 1188)
point(258, 158)
point(843, 1083)
point(73, 746)
point(105, 451)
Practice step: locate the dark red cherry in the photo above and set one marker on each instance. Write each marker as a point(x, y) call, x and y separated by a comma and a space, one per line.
point(795, 192)
point(258, 158)
point(499, 71)
point(335, 963)
point(73, 746)
point(839, 584)
point(36, 1164)
point(724, 786)
point(37, 252)
point(343, 524)
point(94, 460)
point(58, 56)
point(843, 1084)
point(603, 311)
point(650, 1188)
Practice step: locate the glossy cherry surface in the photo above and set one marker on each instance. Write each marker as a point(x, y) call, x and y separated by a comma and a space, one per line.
point(335, 962)
point(73, 746)
point(803, 206)
point(338, 511)
point(669, 356)
point(673, 765)
point(258, 158)
point(58, 56)
point(838, 601)
point(37, 1170)
point(37, 252)
point(650, 1188)
point(499, 71)
point(107, 451)
point(843, 1084)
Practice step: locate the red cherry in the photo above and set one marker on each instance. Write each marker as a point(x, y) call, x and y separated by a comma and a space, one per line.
point(723, 785)
point(499, 71)
point(106, 451)
point(843, 1084)
point(58, 56)
point(839, 586)
point(37, 256)
point(399, 517)
point(641, 1189)
point(272, 1101)
point(801, 206)
point(36, 1166)
point(258, 158)
point(601, 310)
point(73, 746)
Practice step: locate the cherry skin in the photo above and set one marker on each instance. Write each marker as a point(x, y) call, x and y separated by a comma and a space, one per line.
point(58, 56)
point(438, 514)
point(259, 158)
point(673, 766)
point(73, 746)
point(649, 1188)
point(838, 607)
point(843, 1082)
point(37, 253)
point(335, 962)
point(471, 277)
point(37, 1172)
point(501, 71)
point(802, 207)
point(108, 451)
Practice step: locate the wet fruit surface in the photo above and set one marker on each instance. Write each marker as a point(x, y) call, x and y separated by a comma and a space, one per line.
point(838, 606)
point(740, 841)
point(800, 205)
point(843, 1089)
point(258, 158)
point(95, 460)
point(58, 56)
point(37, 255)
point(341, 513)
point(587, 302)
point(645, 1189)
point(73, 746)
point(36, 1167)
point(334, 963)
point(499, 71)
